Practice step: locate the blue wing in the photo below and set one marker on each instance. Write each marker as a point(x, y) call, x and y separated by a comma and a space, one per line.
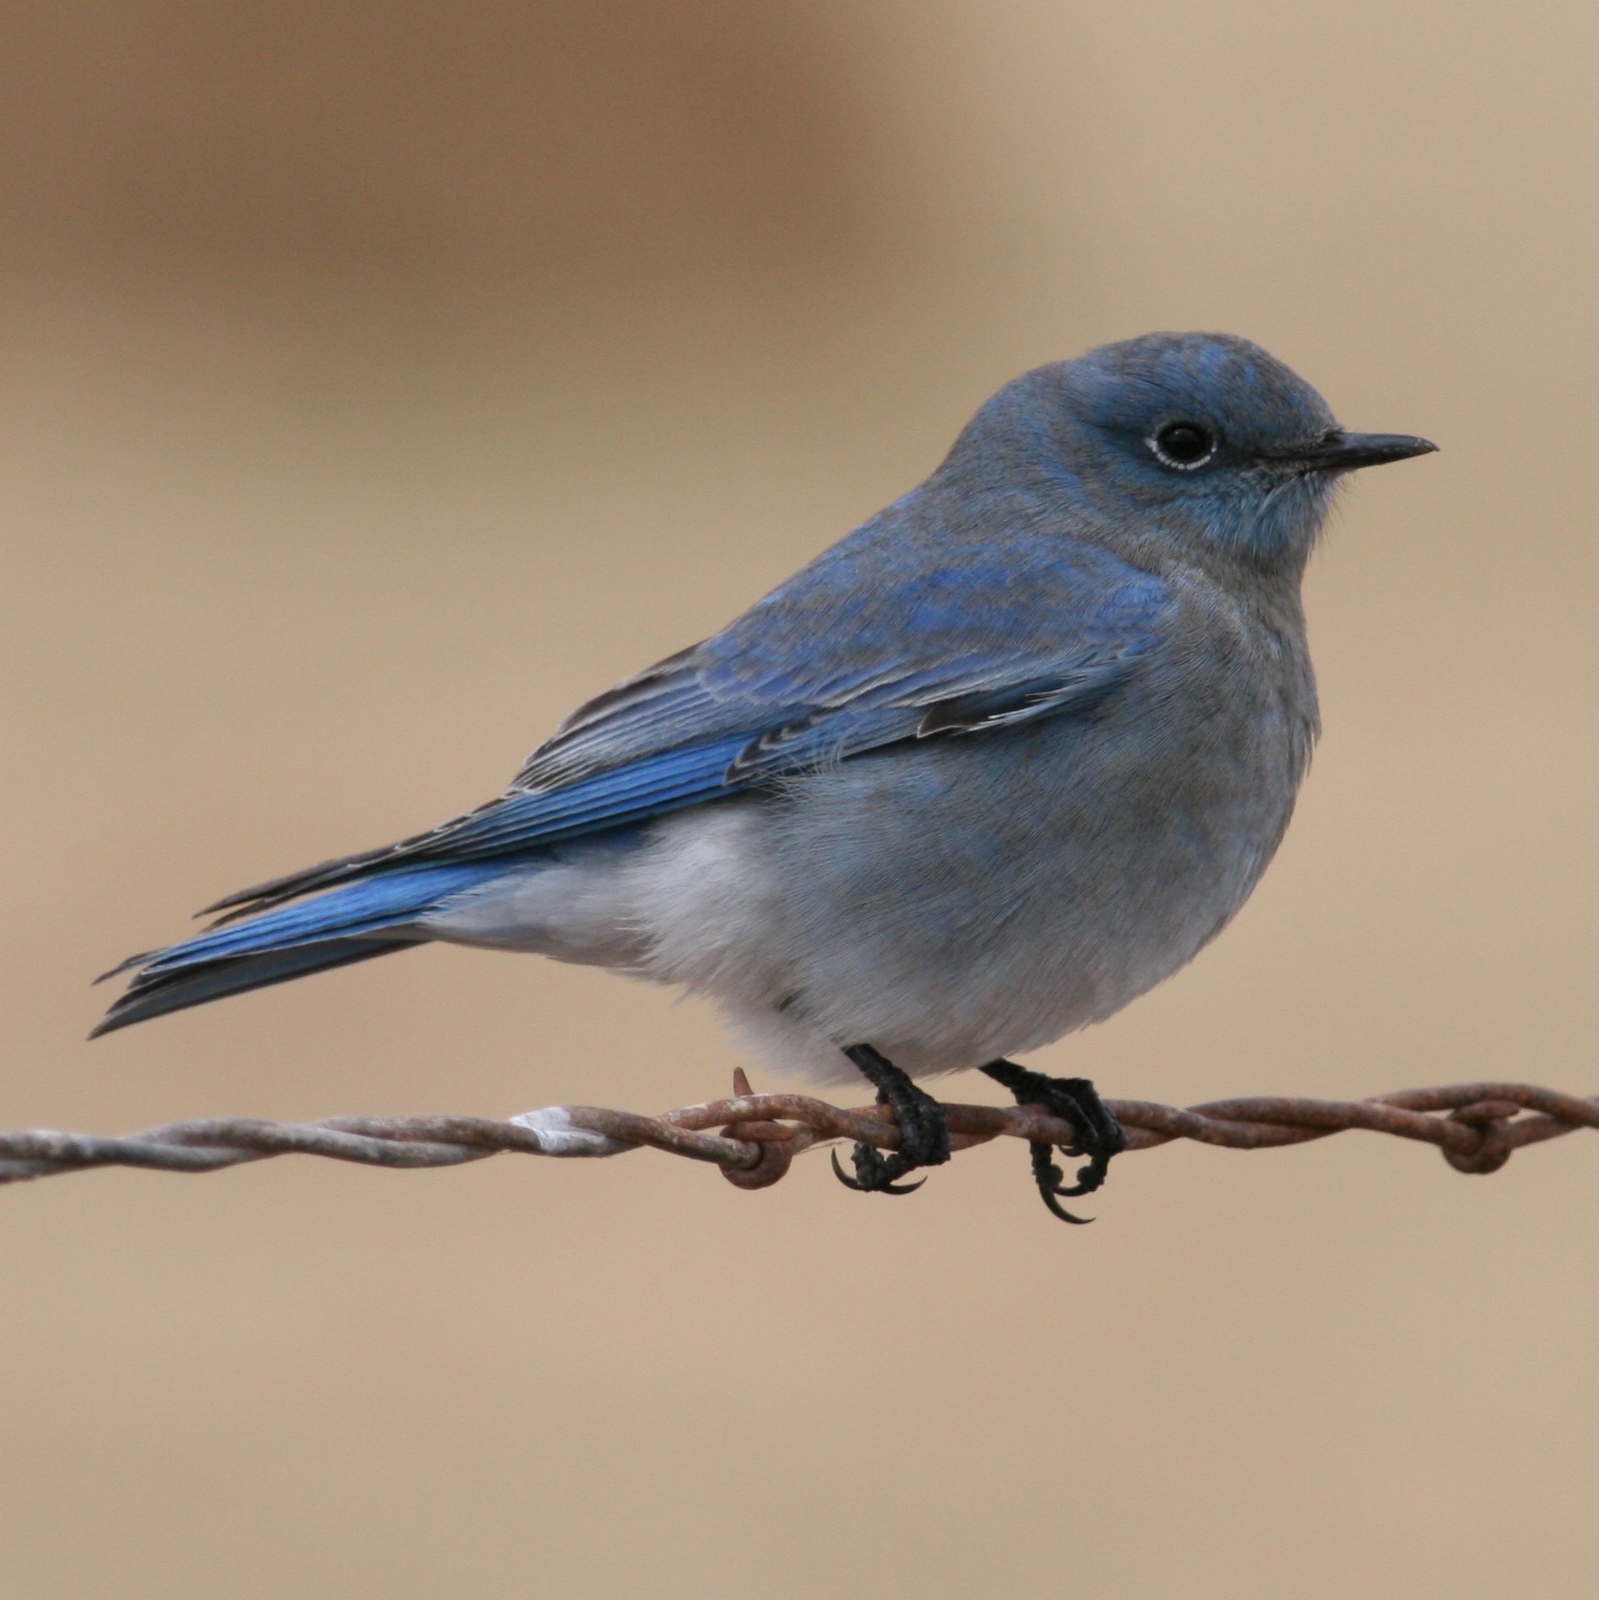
point(951, 640)
point(836, 662)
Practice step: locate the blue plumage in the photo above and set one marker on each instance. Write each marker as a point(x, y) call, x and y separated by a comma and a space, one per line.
point(992, 765)
point(352, 923)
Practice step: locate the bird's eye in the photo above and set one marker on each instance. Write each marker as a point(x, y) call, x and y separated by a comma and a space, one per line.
point(1183, 445)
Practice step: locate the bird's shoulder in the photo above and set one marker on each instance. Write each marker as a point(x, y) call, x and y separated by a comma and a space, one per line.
point(896, 593)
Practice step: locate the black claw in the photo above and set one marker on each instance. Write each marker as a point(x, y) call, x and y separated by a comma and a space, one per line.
point(1048, 1178)
point(923, 1130)
point(839, 1173)
point(1099, 1135)
point(882, 1181)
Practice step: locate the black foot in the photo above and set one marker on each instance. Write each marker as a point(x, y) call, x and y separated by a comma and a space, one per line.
point(1099, 1134)
point(923, 1129)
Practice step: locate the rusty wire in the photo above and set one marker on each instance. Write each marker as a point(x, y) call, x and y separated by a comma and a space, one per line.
point(1476, 1126)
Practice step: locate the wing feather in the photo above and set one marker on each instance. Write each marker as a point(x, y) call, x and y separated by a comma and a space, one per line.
point(835, 663)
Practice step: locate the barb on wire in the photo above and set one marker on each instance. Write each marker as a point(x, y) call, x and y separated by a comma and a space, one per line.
point(1476, 1126)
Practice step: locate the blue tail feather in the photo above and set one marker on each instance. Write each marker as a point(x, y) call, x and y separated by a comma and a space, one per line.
point(354, 922)
point(212, 980)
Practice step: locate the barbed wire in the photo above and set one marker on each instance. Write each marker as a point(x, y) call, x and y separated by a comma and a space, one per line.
point(1476, 1126)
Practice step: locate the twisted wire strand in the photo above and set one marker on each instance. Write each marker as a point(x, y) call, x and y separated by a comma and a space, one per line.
point(1476, 1127)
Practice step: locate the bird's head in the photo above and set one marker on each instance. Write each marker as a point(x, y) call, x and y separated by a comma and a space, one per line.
point(1191, 436)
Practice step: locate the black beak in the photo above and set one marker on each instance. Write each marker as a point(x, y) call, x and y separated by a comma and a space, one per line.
point(1343, 452)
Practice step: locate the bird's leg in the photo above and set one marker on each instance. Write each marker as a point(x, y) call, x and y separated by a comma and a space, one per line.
point(923, 1128)
point(1099, 1134)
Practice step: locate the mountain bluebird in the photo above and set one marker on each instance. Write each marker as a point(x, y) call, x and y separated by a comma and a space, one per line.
point(989, 768)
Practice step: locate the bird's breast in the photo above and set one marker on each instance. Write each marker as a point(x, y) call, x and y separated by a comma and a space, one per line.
point(959, 898)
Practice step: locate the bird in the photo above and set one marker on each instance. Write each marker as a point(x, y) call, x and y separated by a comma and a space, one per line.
point(980, 774)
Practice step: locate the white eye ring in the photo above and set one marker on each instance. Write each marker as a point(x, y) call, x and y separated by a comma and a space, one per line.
point(1172, 443)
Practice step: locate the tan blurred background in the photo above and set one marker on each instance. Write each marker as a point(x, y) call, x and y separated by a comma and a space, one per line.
point(378, 381)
